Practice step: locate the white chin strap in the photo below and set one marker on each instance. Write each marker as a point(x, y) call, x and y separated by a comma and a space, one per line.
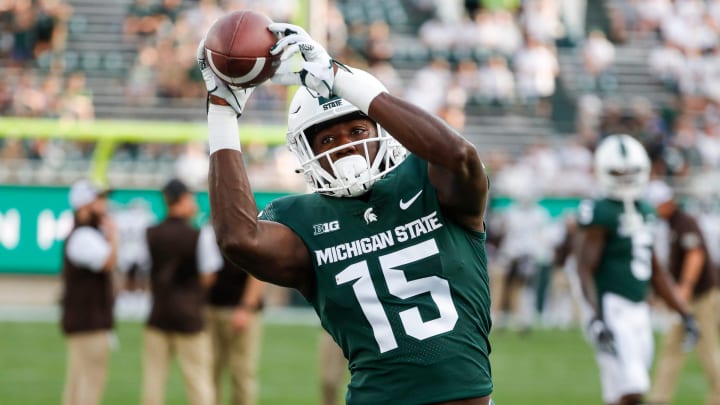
point(353, 173)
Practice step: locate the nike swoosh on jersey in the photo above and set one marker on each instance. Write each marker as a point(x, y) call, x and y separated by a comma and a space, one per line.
point(405, 205)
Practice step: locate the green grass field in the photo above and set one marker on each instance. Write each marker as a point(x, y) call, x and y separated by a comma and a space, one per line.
point(546, 367)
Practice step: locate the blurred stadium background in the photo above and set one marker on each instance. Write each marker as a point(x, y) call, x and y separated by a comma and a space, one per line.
point(110, 90)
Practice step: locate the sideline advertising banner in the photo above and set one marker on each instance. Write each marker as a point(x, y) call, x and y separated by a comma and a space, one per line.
point(34, 221)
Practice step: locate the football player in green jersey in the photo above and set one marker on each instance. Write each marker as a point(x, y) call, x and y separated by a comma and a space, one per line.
point(389, 249)
point(616, 266)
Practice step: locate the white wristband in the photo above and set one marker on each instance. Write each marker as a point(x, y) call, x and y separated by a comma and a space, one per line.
point(223, 130)
point(357, 86)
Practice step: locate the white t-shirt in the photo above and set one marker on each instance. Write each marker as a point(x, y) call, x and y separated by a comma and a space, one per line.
point(209, 258)
point(88, 248)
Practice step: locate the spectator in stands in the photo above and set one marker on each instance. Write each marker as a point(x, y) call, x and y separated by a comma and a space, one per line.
point(574, 176)
point(684, 140)
point(388, 75)
point(142, 20)
point(437, 35)
point(51, 90)
point(713, 11)
point(141, 85)
point(202, 16)
point(691, 81)
point(27, 98)
point(666, 63)
point(24, 36)
point(429, 85)
point(6, 91)
point(645, 123)
point(536, 67)
point(542, 20)
point(170, 9)
point(711, 76)
point(12, 149)
point(509, 35)
point(620, 23)
point(486, 33)
point(573, 15)
point(378, 47)
point(182, 261)
point(76, 101)
point(494, 30)
point(467, 73)
point(708, 142)
point(52, 26)
point(651, 13)
point(598, 60)
point(697, 285)
point(337, 30)
point(496, 82)
point(89, 258)
point(454, 116)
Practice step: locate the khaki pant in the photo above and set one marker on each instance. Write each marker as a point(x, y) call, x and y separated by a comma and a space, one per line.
point(333, 369)
point(194, 356)
point(87, 365)
point(237, 351)
point(672, 357)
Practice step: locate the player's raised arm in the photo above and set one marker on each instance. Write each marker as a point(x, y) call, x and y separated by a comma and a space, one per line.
point(267, 250)
point(455, 167)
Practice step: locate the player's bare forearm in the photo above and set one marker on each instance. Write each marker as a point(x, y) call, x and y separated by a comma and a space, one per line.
point(234, 211)
point(664, 287)
point(588, 246)
point(422, 133)
point(246, 241)
point(455, 166)
point(692, 268)
point(252, 297)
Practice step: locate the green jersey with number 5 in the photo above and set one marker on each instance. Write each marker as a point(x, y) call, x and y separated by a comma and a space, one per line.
point(401, 288)
point(626, 264)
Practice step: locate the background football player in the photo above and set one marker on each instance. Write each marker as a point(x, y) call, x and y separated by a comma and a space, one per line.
point(617, 265)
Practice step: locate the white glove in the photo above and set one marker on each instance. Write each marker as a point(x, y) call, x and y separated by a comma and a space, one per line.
point(316, 71)
point(235, 96)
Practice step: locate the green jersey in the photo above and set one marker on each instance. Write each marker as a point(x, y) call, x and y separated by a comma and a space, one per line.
point(401, 288)
point(625, 268)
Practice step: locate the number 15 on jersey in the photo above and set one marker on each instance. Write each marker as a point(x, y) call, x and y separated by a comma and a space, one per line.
point(400, 287)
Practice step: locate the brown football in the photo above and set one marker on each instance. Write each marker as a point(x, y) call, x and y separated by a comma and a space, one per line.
point(237, 47)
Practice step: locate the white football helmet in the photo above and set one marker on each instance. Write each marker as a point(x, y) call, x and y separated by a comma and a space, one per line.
point(622, 167)
point(352, 175)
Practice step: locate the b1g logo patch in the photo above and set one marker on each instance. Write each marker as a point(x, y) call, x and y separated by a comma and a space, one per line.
point(327, 227)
